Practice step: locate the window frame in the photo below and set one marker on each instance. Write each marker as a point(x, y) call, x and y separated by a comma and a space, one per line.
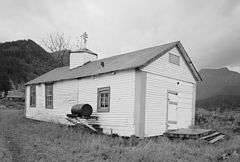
point(172, 60)
point(49, 95)
point(103, 90)
point(32, 98)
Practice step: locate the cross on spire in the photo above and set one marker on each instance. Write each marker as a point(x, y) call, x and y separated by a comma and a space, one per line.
point(84, 37)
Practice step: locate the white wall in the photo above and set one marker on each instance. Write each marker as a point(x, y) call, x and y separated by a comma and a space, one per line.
point(161, 77)
point(78, 59)
point(119, 120)
point(156, 103)
point(64, 97)
point(162, 67)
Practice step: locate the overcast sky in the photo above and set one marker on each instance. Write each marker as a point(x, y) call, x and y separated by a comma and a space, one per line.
point(208, 29)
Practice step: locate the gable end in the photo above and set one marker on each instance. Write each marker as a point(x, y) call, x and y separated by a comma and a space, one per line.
point(185, 57)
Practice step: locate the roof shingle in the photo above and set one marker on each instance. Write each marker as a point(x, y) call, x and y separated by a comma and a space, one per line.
point(129, 60)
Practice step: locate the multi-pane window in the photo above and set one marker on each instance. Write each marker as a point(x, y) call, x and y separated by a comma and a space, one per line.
point(175, 59)
point(33, 96)
point(103, 104)
point(49, 96)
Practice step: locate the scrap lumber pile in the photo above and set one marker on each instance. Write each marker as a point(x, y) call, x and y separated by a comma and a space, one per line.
point(82, 114)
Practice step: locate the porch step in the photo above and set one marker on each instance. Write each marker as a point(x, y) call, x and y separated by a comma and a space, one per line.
point(187, 133)
point(217, 138)
point(213, 137)
point(210, 136)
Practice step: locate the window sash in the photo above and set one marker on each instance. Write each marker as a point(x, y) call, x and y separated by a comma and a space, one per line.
point(174, 59)
point(49, 96)
point(103, 99)
point(33, 96)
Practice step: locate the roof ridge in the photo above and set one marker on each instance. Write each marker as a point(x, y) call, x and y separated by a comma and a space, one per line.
point(129, 60)
point(176, 42)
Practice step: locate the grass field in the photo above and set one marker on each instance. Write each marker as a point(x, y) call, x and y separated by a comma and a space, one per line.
point(23, 139)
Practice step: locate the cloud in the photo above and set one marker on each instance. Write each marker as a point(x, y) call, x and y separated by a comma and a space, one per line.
point(208, 30)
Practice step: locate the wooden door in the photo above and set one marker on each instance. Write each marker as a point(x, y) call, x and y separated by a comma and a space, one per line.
point(172, 119)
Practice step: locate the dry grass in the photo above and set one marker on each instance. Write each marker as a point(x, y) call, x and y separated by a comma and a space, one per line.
point(226, 122)
point(28, 140)
point(5, 103)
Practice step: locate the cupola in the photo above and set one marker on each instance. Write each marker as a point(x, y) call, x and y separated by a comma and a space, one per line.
point(82, 55)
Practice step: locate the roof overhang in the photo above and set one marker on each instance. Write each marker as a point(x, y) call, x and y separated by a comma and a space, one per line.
point(146, 62)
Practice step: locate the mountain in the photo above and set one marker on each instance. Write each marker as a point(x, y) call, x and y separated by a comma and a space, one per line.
point(219, 88)
point(220, 102)
point(23, 60)
point(218, 82)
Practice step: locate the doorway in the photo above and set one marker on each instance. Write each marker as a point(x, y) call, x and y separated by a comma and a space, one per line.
point(172, 106)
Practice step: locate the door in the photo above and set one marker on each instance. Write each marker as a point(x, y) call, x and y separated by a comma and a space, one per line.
point(172, 110)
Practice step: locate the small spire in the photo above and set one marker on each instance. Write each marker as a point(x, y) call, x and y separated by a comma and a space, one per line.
point(83, 38)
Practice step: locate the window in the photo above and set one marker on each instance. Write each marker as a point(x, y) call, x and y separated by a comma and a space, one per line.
point(49, 96)
point(33, 96)
point(175, 59)
point(103, 104)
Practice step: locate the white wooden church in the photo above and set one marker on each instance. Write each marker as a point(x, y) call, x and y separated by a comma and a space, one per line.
point(142, 93)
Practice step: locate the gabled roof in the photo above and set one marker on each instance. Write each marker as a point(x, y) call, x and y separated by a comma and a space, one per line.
point(131, 60)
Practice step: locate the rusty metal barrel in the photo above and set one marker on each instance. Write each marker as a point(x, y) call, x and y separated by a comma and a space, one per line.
point(82, 110)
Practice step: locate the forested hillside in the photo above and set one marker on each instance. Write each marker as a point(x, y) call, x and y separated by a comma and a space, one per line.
point(220, 89)
point(218, 82)
point(21, 61)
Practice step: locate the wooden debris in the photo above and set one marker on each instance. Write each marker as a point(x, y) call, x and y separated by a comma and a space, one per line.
point(220, 137)
point(209, 136)
point(83, 121)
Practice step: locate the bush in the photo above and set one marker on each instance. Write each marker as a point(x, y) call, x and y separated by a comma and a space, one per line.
point(12, 104)
point(227, 122)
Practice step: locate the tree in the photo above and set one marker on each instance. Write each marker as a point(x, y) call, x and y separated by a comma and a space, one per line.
point(58, 45)
point(5, 84)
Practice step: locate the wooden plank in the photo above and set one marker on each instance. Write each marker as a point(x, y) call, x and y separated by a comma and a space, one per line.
point(208, 136)
point(84, 122)
point(189, 131)
point(217, 138)
point(192, 133)
point(81, 121)
point(71, 121)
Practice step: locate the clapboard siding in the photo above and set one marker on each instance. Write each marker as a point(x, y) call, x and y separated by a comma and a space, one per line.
point(162, 67)
point(120, 119)
point(156, 103)
point(27, 100)
point(64, 97)
point(78, 59)
point(163, 76)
